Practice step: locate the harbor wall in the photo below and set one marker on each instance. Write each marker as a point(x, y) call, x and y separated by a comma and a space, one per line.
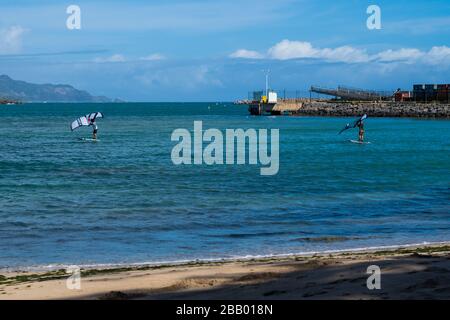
point(374, 109)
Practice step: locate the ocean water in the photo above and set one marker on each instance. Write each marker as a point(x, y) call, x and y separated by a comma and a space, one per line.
point(122, 200)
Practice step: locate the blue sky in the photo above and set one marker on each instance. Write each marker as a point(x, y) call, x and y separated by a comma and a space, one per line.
point(215, 50)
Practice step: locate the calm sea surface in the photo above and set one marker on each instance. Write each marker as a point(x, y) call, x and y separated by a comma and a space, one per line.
point(121, 200)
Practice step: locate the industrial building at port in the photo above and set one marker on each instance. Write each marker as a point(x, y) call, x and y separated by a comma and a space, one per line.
point(420, 93)
point(277, 102)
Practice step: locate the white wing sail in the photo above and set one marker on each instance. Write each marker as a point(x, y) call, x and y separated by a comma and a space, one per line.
point(82, 121)
point(86, 120)
point(94, 115)
point(348, 125)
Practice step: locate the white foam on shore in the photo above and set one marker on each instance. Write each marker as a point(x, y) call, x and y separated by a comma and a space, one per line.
point(104, 266)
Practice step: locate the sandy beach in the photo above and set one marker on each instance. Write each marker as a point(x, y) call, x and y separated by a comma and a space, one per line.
point(421, 272)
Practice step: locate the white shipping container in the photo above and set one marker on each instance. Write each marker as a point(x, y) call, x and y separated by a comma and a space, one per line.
point(272, 97)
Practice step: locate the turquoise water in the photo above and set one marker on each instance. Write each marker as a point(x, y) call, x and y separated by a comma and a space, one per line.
point(121, 200)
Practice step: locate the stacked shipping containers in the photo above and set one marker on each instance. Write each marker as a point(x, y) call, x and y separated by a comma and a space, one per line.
point(443, 93)
point(431, 92)
point(419, 92)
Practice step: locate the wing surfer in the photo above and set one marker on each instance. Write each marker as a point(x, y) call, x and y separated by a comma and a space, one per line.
point(361, 131)
point(87, 121)
point(358, 123)
point(95, 129)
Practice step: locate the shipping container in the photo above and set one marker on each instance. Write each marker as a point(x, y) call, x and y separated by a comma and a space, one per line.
point(424, 96)
point(444, 95)
point(418, 96)
point(431, 96)
point(272, 97)
point(430, 92)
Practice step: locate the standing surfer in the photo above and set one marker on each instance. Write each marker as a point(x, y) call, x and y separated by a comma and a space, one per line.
point(361, 131)
point(360, 124)
point(86, 121)
point(95, 129)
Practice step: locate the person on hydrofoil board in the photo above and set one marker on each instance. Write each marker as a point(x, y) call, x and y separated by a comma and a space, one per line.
point(95, 129)
point(361, 131)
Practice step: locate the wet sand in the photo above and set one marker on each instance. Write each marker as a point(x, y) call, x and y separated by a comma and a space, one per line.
point(407, 273)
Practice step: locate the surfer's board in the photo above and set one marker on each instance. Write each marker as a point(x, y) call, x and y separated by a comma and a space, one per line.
point(359, 142)
point(88, 139)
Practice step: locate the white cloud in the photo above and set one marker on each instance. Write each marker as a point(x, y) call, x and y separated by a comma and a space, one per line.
point(11, 39)
point(153, 57)
point(435, 56)
point(246, 54)
point(113, 58)
point(399, 55)
point(286, 50)
point(344, 54)
point(438, 55)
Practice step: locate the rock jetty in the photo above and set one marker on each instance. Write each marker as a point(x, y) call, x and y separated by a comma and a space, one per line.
point(375, 109)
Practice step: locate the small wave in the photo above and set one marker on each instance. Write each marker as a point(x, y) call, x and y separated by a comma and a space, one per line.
point(251, 235)
point(327, 239)
point(14, 224)
point(50, 267)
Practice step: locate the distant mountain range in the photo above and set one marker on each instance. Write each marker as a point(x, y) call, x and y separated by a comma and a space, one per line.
point(29, 92)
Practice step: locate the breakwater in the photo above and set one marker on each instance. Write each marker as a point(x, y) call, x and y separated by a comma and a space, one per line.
point(374, 109)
